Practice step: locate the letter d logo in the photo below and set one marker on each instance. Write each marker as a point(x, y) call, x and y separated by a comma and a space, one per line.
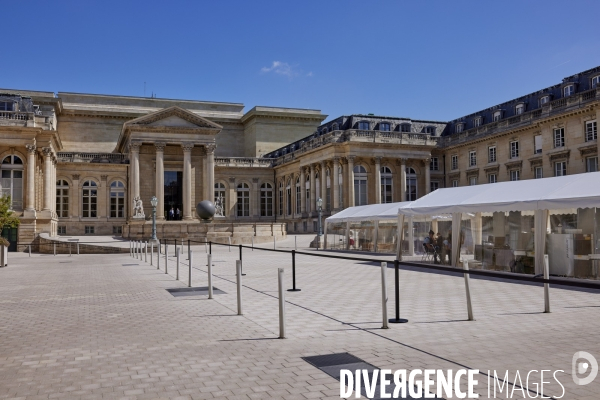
point(582, 367)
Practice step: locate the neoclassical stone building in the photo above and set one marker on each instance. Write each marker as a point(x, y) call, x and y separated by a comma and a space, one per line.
point(74, 163)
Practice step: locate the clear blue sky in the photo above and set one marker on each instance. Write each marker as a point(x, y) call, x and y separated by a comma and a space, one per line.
point(434, 60)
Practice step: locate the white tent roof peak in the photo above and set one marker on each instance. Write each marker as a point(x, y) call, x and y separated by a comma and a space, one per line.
point(571, 191)
point(371, 212)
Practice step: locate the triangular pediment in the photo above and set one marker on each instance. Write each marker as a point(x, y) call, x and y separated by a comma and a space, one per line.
point(175, 117)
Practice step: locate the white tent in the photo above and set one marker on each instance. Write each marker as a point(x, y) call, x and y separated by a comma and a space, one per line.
point(538, 195)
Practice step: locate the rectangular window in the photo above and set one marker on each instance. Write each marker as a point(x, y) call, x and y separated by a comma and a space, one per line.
point(591, 164)
point(492, 178)
point(430, 130)
point(515, 175)
point(539, 172)
point(89, 230)
point(591, 131)
point(459, 128)
point(514, 149)
point(6, 105)
point(477, 122)
point(363, 126)
point(434, 185)
point(544, 100)
point(559, 137)
point(537, 144)
point(117, 230)
point(497, 116)
point(117, 204)
point(560, 168)
point(455, 183)
point(492, 154)
point(519, 109)
point(473, 181)
point(62, 230)
point(384, 126)
point(434, 164)
point(454, 162)
point(472, 158)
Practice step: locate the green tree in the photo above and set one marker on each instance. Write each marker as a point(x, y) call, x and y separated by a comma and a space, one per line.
point(7, 219)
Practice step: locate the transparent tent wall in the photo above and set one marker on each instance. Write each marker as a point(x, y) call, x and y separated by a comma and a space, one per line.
point(336, 236)
point(361, 236)
point(387, 236)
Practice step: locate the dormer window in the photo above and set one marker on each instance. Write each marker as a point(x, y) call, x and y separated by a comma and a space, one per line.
point(544, 100)
point(497, 115)
point(405, 128)
point(6, 105)
point(459, 127)
point(595, 81)
point(430, 130)
point(334, 127)
point(384, 126)
point(519, 109)
point(568, 90)
point(363, 125)
point(477, 121)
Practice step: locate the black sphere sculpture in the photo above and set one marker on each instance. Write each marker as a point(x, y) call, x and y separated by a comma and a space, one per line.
point(205, 210)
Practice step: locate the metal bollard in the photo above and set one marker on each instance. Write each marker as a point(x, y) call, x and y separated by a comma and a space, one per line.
point(293, 289)
point(238, 274)
point(190, 271)
point(397, 320)
point(54, 248)
point(384, 297)
point(166, 258)
point(151, 253)
point(210, 285)
point(546, 286)
point(467, 290)
point(189, 251)
point(177, 251)
point(281, 304)
point(241, 261)
point(146, 251)
point(29, 250)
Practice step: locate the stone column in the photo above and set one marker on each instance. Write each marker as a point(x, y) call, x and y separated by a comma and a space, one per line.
point(323, 182)
point(47, 178)
point(378, 180)
point(427, 176)
point(134, 148)
point(302, 191)
point(313, 189)
point(254, 199)
point(350, 182)
point(159, 180)
point(74, 196)
point(210, 171)
point(403, 179)
point(187, 180)
point(31, 177)
point(103, 197)
point(232, 199)
point(336, 184)
point(53, 186)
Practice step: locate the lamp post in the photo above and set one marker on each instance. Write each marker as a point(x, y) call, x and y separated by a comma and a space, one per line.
point(320, 211)
point(154, 203)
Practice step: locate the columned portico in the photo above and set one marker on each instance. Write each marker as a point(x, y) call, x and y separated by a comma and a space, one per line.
point(160, 180)
point(378, 180)
point(351, 181)
point(187, 180)
point(302, 191)
point(336, 183)
point(48, 195)
point(323, 183)
point(210, 171)
point(30, 207)
point(313, 188)
point(403, 179)
point(134, 149)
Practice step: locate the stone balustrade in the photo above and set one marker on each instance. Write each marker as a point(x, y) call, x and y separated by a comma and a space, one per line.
point(102, 158)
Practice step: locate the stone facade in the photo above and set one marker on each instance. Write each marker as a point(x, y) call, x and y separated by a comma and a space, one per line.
point(62, 152)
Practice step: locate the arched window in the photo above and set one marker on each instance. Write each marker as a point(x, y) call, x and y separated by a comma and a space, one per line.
point(288, 197)
point(117, 200)
point(281, 198)
point(12, 181)
point(266, 200)
point(327, 189)
point(243, 200)
point(341, 186)
point(386, 185)
point(89, 199)
point(360, 185)
point(62, 198)
point(220, 195)
point(411, 184)
point(298, 197)
point(308, 193)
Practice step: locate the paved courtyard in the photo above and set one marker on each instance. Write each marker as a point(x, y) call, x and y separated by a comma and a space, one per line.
point(103, 326)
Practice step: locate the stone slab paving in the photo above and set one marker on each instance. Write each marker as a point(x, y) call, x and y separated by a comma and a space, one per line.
point(103, 326)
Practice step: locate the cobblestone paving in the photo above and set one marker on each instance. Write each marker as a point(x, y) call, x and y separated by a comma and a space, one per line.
point(96, 327)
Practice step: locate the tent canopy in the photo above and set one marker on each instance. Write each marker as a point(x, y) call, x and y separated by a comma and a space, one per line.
point(371, 212)
point(572, 191)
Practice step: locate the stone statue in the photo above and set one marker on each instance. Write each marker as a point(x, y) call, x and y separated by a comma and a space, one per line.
point(138, 208)
point(219, 207)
